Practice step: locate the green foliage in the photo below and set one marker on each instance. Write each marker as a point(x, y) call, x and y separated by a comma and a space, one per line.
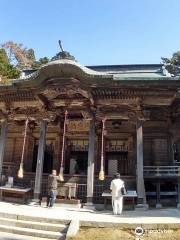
point(3, 57)
point(6, 69)
point(173, 63)
point(44, 60)
point(12, 72)
point(15, 57)
point(38, 64)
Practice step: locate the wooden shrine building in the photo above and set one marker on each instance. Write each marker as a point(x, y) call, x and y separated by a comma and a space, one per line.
point(92, 122)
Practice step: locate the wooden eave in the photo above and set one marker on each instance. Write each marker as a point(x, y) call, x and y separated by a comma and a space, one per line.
point(84, 88)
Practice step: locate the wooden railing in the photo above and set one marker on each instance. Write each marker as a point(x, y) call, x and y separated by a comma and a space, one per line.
point(162, 171)
point(81, 190)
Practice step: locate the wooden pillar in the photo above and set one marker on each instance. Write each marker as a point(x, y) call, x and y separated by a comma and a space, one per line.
point(171, 150)
point(141, 199)
point(40, 160)
point(158, 197)
point(3, 138)
point(91, 156)
point(178, 193)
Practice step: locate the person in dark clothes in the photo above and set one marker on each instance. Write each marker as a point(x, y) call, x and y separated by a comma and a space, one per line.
point(52, 188)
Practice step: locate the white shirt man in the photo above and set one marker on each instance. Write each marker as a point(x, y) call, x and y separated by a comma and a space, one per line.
point(117, 198)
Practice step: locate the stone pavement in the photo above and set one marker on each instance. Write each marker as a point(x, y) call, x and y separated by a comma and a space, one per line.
point(95, 218)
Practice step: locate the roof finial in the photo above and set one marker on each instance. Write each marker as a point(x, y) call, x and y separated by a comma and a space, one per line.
point(63, 54)
point(60, 45)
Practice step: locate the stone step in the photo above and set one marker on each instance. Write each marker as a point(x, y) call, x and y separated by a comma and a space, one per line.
point(12, 236)
point(62, 200)
point(33, 218)
point(34, 225)
point(32, 232)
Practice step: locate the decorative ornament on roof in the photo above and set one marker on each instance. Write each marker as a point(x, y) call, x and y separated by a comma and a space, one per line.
point(63, 54)
point(165, 72)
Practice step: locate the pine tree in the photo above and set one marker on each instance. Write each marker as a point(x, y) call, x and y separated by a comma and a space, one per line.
point(173, 64)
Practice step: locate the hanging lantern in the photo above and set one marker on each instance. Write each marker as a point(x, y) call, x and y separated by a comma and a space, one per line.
point(21, 170)
point(101, 173)
point(61, 175)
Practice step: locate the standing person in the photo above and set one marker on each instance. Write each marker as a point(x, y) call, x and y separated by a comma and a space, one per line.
point(117, 187)
point(52, 188)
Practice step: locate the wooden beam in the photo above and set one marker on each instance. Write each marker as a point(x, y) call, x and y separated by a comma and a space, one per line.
point(44, 101)
point(178, 193)
point(158, 197)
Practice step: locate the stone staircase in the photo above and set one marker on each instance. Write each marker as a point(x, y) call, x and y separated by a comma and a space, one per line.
point(36, 227)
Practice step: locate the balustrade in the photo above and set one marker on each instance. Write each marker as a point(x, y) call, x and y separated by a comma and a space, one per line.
point(161, 170)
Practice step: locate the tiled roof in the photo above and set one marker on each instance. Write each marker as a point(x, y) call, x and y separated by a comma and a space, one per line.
point(121, 72)
point(134, 71)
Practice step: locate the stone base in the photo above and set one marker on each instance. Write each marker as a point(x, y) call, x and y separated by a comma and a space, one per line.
point(141, 207)
point(68, 201)
point(65, 203)
point(178, 206)
point(158, 205)
point(99, 207)
point(89, 206)
point(35, 201)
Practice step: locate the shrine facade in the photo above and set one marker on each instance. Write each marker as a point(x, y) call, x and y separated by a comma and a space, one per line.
point(89, 123)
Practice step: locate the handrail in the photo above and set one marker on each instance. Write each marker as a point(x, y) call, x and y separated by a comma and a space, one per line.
point(175, 166)
point(162, 170)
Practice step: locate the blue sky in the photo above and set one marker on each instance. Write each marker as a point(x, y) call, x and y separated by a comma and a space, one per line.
point(96, 32)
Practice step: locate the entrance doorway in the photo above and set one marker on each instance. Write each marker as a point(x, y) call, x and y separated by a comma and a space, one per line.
point(78, 162)
point(76, 156)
